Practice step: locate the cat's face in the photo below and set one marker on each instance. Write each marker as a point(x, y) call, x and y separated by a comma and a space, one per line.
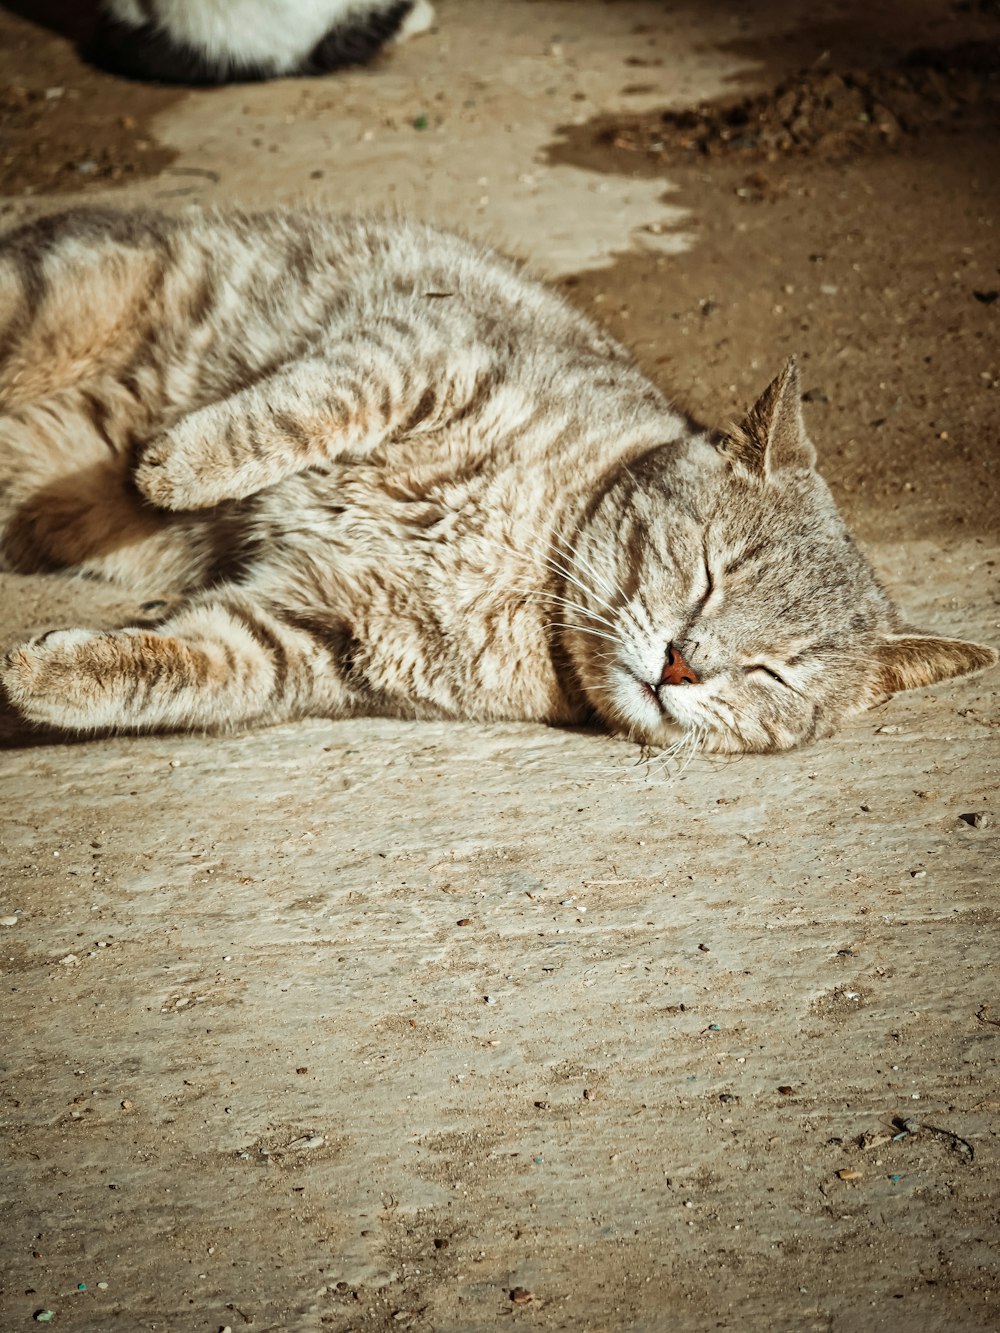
point(727, 602)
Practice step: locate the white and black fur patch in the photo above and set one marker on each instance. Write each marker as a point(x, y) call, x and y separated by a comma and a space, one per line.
point(233, 41)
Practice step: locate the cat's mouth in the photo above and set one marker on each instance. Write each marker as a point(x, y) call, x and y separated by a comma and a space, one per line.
point(650, 692)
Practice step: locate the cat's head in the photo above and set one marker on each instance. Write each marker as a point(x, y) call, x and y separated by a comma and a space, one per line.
point(726, 599)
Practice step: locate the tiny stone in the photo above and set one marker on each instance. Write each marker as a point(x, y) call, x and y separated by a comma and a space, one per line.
point(489, 999)
point(521, 1295)
point(103, 1286)
point(703, 948)
point(464, 921)
point(581, 908)
point(440, 1243)
point(175, 763)
point(70, 960)
point(786, 1089)
point(302, 1069)
point(309, 1141)
point(8, 920)
point(918, 874)
point(566, 902)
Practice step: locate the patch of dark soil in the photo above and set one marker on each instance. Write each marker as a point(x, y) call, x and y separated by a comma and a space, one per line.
point(873, 272)
point(66, 128)
point(824, 114)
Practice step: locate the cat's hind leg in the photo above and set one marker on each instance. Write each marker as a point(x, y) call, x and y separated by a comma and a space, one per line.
point(222, 662)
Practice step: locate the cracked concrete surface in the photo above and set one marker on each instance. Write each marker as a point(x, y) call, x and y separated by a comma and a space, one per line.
point(369, 1024)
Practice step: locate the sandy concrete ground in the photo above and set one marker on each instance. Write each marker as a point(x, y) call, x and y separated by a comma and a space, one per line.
point(368, 1025)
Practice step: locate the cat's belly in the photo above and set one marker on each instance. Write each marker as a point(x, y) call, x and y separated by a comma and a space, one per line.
point(438, 594)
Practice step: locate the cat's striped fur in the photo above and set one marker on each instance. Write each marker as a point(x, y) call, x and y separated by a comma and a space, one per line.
point(390, 474)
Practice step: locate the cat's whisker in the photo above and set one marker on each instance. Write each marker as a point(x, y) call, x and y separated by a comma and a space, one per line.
point(582, 566)
point(581, 629)
point(583, 563)
point(573, 606)
point(562, 571)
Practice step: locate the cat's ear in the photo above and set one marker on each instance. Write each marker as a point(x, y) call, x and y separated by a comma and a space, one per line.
point(909, 660)
point(772, 435)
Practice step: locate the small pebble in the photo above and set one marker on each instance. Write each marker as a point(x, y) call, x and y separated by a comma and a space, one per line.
point(8, 920)
point(489, 999)
point(566, 902)
point(850, 1175)
point(70, 960)
point(308, 1141)
point(581, 908)
point(102, 1286)
point(44, 1316)
point(521, 1295)
point(703, 948)
point(464, 921)
point(918, 874)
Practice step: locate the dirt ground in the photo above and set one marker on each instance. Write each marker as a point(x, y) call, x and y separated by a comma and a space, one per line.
point(366, 1025)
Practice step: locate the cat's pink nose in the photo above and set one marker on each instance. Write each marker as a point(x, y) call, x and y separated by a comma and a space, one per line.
point(676, 671)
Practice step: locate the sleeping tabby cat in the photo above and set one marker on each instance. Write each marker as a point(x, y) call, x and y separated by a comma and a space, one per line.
point(392, 475)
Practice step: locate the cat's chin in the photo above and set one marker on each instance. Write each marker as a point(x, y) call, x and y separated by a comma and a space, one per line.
point(636, 711)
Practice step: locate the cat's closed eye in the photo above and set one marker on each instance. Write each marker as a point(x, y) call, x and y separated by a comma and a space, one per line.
point(767, 671)
point(710, 586)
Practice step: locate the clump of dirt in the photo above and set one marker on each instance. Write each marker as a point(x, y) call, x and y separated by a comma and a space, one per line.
point(66, 128)
point(825, 114)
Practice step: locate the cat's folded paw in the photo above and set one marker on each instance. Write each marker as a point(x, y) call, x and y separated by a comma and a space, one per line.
point(166, 476)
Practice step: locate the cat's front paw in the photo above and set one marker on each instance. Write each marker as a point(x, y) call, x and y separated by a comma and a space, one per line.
point(43, 681)
point(167, 477)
